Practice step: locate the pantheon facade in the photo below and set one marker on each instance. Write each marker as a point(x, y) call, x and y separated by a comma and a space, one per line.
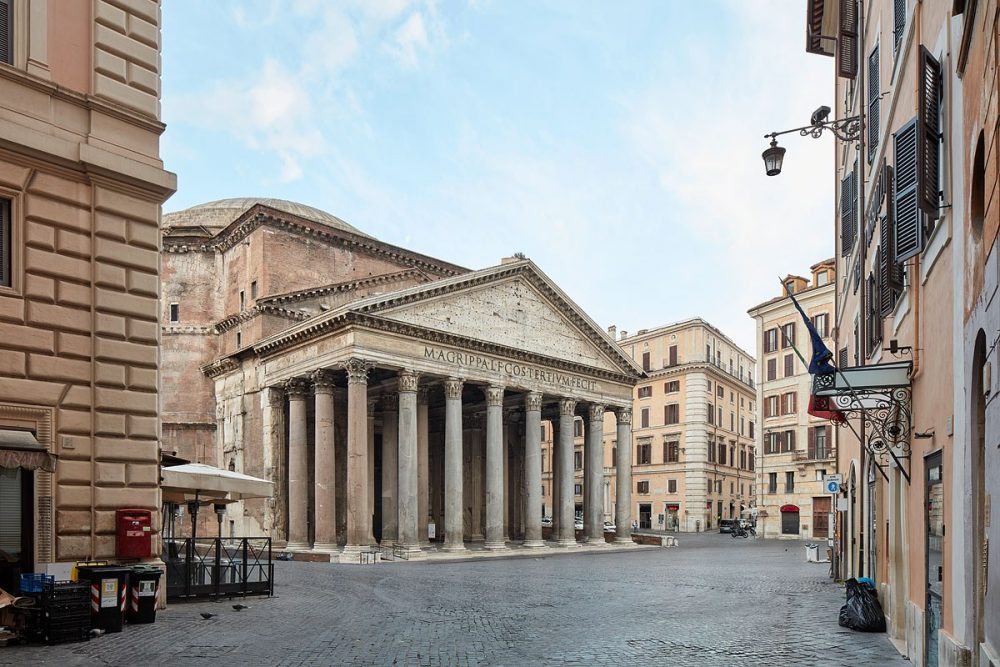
point(393, 398)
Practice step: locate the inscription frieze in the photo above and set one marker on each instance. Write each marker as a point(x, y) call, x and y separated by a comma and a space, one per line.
point(512, 369)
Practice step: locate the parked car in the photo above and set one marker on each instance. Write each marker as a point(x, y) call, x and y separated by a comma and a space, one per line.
point(609, 527)
point(547, 521)
point(726, 525)
point(578, 524)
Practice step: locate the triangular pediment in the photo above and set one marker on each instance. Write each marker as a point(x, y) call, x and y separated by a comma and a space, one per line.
point(518, 308)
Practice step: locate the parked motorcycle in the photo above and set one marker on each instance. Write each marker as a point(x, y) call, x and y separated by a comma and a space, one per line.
point(742, 529)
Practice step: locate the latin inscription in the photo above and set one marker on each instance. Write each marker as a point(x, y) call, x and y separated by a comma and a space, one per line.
point(510, 368)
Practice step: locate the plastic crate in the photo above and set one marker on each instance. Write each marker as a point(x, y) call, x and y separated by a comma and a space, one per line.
point(36, 583)
point(78, 613)
point(64, 636)
point(67, 589)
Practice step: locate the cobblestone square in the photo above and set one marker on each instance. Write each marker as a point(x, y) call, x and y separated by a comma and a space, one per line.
point(711, 601)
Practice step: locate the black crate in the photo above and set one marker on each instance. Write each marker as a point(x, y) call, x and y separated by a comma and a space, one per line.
point(53, 624)
point(78, 616)
point(67, 635)
point(67, 590)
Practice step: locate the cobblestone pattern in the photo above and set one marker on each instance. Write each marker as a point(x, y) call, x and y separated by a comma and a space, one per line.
point(712, 601)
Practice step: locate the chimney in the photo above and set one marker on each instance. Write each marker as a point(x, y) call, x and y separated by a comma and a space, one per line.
point(624, 335)
point(612, 331)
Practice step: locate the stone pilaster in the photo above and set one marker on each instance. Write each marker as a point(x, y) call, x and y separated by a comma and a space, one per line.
point(593, 473)
point(407, 477)
point(495, 466)
point(390, 449)
point(567, 515)
point(533, 470)
point(453, 519)
point(372, 405)
point(358, 514)
point(275, 464)
point(325, 493)
point(623, 482)
point(297, 390)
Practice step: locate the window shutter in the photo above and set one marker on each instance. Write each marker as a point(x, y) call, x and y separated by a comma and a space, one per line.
point(5, 243)
point(645, 361)
point(842, 359)
point(6, 31)
point(929, 130)
point(812, 443)
point(907, 218)
point(673, 355)
point(874, 91)
point(898, 23)
point(847, 214)
point(847, 40)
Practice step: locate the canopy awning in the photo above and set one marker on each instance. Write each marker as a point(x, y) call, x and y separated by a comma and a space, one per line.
point(20, 449)
point(208, 482)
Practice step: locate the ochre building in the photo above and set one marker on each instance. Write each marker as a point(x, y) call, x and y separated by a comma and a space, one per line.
point(81, 185)
point(393, 398)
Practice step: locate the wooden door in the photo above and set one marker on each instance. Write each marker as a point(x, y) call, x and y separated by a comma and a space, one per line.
point(821, 517)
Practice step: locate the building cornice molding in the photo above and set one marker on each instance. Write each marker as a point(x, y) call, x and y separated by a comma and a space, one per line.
point(347, 286)
point(242, 317)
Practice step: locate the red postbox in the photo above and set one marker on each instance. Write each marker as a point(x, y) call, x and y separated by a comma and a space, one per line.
point(134, 533)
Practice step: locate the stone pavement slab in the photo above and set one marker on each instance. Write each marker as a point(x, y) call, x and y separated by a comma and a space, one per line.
point(711, 601)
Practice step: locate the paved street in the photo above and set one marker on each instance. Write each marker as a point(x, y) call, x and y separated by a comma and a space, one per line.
point(711, 601)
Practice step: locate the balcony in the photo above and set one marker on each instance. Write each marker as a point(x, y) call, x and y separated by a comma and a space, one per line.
point(747, 380)
point(817, 455)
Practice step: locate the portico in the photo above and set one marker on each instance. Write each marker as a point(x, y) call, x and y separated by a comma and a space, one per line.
point(459, 374)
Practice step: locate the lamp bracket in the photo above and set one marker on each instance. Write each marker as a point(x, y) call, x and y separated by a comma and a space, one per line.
point(845, 129)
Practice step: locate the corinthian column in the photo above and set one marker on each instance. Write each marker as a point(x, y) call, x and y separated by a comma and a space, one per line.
point(407, 504)
point(359, 518)
point(390, 448)
point(453, 519)
point(494, 469)
point(297, 390)
point(533, 470)
point(592, 475)
point(370, 426)
point(623, 495)
point(567, 517)
point(325, 469)
point(423, 466)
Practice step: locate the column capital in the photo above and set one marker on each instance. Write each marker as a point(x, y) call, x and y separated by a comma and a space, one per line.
point(323, 381)
point(533, 401)
point(494, 395)
point(596, 412)
point(567, 407)
point(390, 402)
point(624, 415)
point(408, 380)
point(357, 370)
point(423, 394)
point(453, 388)
point(297, 389)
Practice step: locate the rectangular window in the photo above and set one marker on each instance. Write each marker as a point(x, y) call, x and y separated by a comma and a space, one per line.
point(671, 486)
point(818, 439)
point(722, 454)
point(673, 355)
point(671, 451)
point(788, 335)
point(543, 431)
point(239, 340)
point(751, 454)
point(672, 387)
point(711, 414)
point(790, 482)
point(577, 428)
point(771, 340)
point(6, 239)
point(751, 429)
point(642, 487)
point(822, 324)
point(614, 457)
point(711, 452)
point(253, 289)
point(6, 32)
point(645, 392)
point(645, 361)
point(644, 418)
point(772, 482)
point(789, 365)
point(175, 312)
point(643, 454)
point(578, 460)
point(732, 422)
point(720, 391)
point(720, 417)
point(578, 489)
point(788, 441)
point(772, 369)
point(672, 413)
point(243, 301)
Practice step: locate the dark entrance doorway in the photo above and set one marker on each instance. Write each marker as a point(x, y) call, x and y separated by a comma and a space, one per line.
point(934, 502)
point(377, 509)
point(789, 519)
point(645, 514)
point(17, 507)
point(821, 517)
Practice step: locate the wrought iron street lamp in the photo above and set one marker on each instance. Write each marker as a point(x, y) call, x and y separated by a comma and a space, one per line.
point(845, 129)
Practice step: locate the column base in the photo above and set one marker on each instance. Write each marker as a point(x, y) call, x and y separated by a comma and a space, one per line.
point(562, 543)
point(326, 547)
point(532, 544)
point(623, 540)
point(496, 546)
point(355, 549)
point(453, 547)
point(297, 546)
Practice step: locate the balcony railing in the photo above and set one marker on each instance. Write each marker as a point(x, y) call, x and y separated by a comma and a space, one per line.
point(748, 381)
point(815, 455)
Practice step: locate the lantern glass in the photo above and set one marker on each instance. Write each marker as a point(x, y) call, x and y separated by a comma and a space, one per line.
point(773, 157)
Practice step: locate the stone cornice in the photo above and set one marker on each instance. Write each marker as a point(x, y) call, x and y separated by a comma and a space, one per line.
point(220, 366)
point(347, 286)
point(182, 330)
point(260, 215)
point(228, 323)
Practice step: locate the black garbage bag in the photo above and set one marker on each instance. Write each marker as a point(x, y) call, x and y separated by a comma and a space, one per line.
point(862, 611)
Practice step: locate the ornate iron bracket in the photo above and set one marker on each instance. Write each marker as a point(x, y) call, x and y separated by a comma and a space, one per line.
point(845, 129)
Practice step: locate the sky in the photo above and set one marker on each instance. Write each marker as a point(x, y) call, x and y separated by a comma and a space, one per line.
point(617, 145)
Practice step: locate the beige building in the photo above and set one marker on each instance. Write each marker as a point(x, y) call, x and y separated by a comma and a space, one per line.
point(81, 185)
point(393, 398)
point(692, 454)
point(794, 450)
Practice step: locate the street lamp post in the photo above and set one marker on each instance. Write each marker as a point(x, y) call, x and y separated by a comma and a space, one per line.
point(845, 129)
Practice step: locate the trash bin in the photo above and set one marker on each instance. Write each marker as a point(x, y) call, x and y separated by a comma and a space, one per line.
point(812, 553)
point(144, 594)
point(108, 586)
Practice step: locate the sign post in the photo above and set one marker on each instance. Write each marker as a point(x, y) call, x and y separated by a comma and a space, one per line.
point(832, 485)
